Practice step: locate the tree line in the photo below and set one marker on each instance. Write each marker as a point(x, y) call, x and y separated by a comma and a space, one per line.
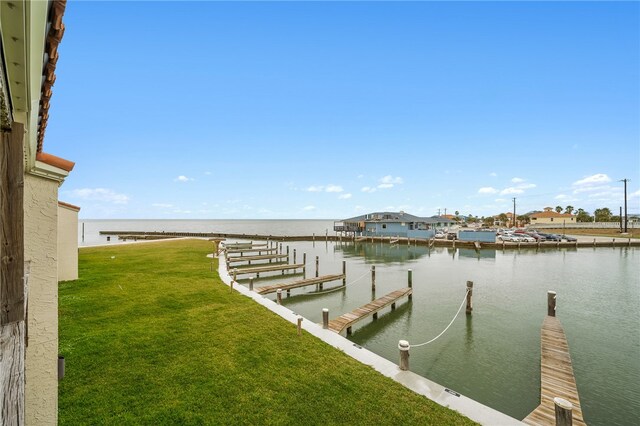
point(603, 214)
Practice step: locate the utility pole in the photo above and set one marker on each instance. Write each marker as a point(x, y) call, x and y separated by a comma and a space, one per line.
point(514, 212)
point(438, 212)
point(625, 203)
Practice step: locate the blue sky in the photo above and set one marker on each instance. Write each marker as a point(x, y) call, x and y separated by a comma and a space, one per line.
point(333, 109)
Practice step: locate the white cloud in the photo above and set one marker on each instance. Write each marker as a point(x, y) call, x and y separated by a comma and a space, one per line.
point(635, 194)
point(100, 194)
point(517, 180)
point(162, 205)
point(511, 190)
point(334, 188)
point(315, 188)
point(493, 174)
point(344, 196)
point(368, 189)
point(309, 208)
point(385, 186)
point(526, 186)
point(182, 178)
point(596, 179)
point(487, 190)
point(207, 173)
point(322, 188)
point(392, 180)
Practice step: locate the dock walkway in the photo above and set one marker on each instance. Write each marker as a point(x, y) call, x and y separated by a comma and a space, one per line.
point(259, 269)
point(556, 374)
point(371, 308)
point(252, 250)
point(269, 257)
point(296, 284)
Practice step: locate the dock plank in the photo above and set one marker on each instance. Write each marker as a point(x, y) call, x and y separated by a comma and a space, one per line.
point(556, 376)
point(260, 269)
point(350, 318)
point(235, 259)
point(297, 284)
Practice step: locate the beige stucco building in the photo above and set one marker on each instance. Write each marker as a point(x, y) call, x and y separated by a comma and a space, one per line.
point(30, 32)
point(67, 241)
point(552, 217)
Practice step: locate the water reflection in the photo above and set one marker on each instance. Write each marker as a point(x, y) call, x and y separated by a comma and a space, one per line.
point(477, 254)
point(381, 252)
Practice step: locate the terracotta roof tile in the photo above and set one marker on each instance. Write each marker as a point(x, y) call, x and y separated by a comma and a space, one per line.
point(54, 161)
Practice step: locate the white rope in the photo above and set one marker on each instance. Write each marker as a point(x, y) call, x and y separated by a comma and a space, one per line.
point(443, 331)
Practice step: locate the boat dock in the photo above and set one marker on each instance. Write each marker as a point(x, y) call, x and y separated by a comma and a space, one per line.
point(259, 269)
point(371, 308)
point(297, 284)
point(556, 374)
point(242, 251)
point(250, 259)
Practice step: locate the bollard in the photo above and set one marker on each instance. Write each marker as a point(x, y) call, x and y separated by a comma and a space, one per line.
point(551, 303)
point(325, 318)
point(469, 293)
point(563, 409)
point(299, 326)
point(344, 272)
point(373, 277)
point(60, 367)
point(317, 265)
point(403, 345)
point(279, 296)
point(251, 283)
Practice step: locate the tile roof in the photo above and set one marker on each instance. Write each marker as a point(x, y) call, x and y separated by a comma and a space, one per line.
point(56, 32)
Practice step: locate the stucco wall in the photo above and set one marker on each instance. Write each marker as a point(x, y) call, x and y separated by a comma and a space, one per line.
point(40, 241)
point(553, 220)
point(67, 243)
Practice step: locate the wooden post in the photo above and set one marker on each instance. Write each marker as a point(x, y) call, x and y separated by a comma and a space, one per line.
point(403, 346)
point(231, 286)
point(317, 266)
point(410, 282)
point(563, 409)
point(326, 235)
point(469, 293)
point(279, 296)
point(280, 249)
point(344, 272)
point(373, 277)
point(60, 367)
point(294, 255)
point(325, 318)
point(235, 274)
point(13, 332)
point(287, 254)
point(251, 283)
point(304, 262)
point(551, 303)
point(299, 326)
point(314, 237)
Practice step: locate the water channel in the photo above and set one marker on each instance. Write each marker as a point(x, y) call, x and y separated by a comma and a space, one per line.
point(493, 356)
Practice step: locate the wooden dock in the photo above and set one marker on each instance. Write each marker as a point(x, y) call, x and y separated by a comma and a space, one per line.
point(259, 269)
point(268, 257)
point(557, 378)
point(252, 250)
point(296, 284)
point(371, 308)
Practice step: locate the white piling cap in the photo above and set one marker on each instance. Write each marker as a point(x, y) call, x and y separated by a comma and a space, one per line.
point(563, 403)
point(551, 292)
point(325, 309)
point(403, 345)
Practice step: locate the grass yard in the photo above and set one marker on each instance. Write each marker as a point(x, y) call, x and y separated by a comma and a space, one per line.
point(596, 232)
point(151, 336)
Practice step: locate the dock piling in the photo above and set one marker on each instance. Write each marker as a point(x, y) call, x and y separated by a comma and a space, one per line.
point(469, 293)
point(299, 326)
point(304, 262)
point(410, 281)
point(317, 265)
point(373, 277)
point(551, 303)
point(251, 283)
point(279, 296)
point(403, 346)
point(325, 318)
point(344, 272)
point(294, 255)
point(563, 410)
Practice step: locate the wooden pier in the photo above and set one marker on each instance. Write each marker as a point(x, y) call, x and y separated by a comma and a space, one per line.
point(347, 320)
point(268, 257)
point(252, 250)
point(259, 269)
point(296, 284)
point(557, 378)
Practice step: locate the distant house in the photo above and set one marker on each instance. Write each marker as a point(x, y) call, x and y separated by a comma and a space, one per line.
point(551, 216)
point(391, 224)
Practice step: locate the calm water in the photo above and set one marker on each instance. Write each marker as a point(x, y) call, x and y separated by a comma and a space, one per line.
point(494, 355)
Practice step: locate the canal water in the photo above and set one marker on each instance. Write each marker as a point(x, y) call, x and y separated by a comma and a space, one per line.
point(493, 356)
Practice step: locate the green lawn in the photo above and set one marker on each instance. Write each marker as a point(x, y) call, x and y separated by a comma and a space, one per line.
point(151, 336)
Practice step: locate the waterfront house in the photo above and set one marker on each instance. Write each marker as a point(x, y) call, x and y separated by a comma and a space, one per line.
point(30, 32)
point(552, 217)
point(392, 224)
